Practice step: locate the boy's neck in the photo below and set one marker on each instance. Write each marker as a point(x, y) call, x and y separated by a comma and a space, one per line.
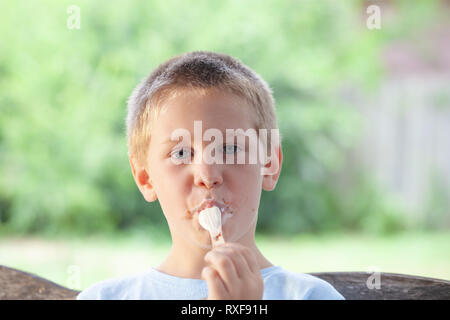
point(186, 260)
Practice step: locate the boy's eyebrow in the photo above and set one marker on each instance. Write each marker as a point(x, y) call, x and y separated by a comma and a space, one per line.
point(169, 139)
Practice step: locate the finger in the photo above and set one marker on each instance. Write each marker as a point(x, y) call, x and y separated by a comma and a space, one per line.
point(251, 261)
point(216, 287)
point(248, 255)
point(222, 263)
point(238, 259)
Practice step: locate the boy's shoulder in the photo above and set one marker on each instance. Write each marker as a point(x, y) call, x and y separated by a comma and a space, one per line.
point(147, 285)
point(280, 283)
point(111, 289)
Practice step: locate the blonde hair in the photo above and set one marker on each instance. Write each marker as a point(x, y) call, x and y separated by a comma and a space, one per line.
point(196, 70)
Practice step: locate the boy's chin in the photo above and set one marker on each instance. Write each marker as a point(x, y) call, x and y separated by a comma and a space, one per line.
point(200, 240)
point(203, 244)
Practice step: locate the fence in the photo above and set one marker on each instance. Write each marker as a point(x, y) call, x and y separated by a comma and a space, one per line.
point(406, 144)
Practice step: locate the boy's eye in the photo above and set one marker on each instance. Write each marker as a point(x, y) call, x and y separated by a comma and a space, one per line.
point(181, 153)
point(230, 148)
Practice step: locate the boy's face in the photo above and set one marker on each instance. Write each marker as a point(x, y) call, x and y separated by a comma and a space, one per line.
point(182, 187)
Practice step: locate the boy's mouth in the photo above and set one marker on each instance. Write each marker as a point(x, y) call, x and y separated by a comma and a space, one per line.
point(209, 203)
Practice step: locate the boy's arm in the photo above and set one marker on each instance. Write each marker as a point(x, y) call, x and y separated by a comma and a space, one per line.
point(232, 273)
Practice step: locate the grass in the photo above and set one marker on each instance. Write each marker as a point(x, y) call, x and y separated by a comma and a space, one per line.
point(80, 262)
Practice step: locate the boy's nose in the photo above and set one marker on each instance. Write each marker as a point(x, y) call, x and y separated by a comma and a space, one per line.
point(208, 177)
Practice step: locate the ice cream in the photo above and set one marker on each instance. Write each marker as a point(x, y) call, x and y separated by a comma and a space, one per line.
point(211, 220)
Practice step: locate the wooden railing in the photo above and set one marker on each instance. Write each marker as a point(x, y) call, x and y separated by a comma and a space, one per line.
point(16, 284)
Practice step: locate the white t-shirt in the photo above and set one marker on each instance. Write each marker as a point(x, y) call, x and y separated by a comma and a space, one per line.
point(279, 284)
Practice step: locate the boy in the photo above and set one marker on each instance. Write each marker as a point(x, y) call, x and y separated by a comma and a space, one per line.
point(188, 94)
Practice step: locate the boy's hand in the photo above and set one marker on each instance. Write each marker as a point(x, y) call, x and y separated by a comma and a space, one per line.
point(232, 273)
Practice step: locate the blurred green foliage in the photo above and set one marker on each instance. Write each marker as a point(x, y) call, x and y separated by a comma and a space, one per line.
point(63, 156)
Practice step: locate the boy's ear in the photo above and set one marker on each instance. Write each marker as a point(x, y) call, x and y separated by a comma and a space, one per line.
point(142, 179)
point(272, 169)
